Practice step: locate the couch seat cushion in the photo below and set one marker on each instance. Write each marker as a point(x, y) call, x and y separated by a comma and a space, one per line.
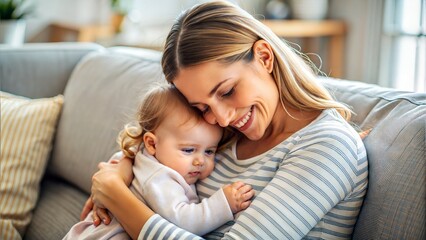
point(58, 209)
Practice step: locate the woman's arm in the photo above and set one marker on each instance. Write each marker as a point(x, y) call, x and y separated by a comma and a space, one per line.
point(110, 190)
point(101, 214)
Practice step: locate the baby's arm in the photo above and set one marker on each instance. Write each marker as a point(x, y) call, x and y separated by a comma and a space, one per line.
point(171, 197)
point(238, 195)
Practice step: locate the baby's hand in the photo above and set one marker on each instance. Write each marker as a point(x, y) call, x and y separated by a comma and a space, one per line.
point(238, 195)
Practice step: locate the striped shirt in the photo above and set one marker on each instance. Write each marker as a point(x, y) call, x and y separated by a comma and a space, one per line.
point(309, 186)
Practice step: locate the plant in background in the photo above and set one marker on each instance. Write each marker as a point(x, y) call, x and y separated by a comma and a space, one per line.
point(12, 24)
point(121, 7)
point(12, 9)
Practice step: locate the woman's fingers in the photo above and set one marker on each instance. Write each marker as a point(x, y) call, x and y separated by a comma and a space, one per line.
point(124, 168)
point(95, 217)
point(114, 161)
point(88, 206)
point(100, 215)
point(103, 215)
point(102, 165)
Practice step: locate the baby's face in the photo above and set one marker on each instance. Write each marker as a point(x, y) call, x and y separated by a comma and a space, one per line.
point(187, 147)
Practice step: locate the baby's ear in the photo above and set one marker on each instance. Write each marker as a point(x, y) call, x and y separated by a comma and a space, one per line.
point(149, 141)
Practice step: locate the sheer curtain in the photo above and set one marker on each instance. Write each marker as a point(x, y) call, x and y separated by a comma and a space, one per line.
point(403, 53)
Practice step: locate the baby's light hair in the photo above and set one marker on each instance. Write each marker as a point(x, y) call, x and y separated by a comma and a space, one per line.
point(158, 103)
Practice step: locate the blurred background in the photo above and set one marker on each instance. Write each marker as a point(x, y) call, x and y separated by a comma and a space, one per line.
point(375, 41)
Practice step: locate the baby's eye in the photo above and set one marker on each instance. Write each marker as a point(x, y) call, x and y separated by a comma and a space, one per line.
point(210, 152)
point(188, 150)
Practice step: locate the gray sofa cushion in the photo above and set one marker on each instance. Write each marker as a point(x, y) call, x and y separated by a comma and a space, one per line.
point(40, 65)
point(394, 207)
point(101, 96)
point(58, 209)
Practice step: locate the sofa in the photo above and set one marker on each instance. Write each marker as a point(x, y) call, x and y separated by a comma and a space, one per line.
point(101, 88)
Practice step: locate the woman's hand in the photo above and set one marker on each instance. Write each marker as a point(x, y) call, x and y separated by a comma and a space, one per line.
point(110, 176)
point(103, 181)
point(125, 165)
point(88, 206)
point(110, 190)
point(99, 214)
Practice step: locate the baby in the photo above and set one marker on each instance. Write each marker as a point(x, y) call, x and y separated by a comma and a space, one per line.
point(173, 147)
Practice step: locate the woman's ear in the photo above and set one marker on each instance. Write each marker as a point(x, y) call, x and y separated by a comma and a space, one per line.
point(263, 53)
point(149, 140)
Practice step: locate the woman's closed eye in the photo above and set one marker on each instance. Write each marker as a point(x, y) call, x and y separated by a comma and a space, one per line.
point(204, 110)
point(228, 93)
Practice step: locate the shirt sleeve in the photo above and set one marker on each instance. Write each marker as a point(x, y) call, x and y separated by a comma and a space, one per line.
point(310, 181)
point(168, 195)
point(158, 228)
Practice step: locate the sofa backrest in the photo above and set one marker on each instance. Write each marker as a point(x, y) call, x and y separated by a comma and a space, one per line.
point(106, 85)
point(101, 96)
point(394, 207)
point(105, 88)
point(40, 70)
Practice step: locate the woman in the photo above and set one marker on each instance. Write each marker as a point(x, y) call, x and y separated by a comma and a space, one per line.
point(290, 140)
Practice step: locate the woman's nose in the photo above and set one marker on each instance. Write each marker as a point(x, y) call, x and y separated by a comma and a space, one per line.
point(221, 115)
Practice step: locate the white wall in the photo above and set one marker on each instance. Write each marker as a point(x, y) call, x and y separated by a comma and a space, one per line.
point(146, 12)
point(64, 11)
point(359, 54)
point(363, 18)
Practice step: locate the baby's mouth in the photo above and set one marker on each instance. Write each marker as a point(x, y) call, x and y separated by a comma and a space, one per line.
point(194, 174)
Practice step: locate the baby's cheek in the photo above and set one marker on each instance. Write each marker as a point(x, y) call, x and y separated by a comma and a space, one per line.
point(208, 169)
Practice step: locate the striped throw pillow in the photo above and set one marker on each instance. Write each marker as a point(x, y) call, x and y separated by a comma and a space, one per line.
point(27, 129)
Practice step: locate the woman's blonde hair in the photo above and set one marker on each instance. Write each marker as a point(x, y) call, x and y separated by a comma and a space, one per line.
point(158, 103)
point(221, 31)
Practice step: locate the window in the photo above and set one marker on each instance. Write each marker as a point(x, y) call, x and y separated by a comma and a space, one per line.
point(403, 58)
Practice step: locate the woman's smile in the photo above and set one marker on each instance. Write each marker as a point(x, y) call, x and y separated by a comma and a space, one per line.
point(244, 122)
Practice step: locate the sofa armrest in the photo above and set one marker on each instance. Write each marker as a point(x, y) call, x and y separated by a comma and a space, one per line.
point(40, 69)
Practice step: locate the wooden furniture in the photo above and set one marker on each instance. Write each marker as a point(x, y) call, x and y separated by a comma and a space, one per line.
point(62, 32)
point(335, 30)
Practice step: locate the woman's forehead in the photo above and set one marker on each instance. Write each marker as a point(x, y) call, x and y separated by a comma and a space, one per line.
point(203, 79)
point(199, 79)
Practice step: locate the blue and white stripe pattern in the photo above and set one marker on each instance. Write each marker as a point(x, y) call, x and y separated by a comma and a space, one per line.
point(309, 186)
